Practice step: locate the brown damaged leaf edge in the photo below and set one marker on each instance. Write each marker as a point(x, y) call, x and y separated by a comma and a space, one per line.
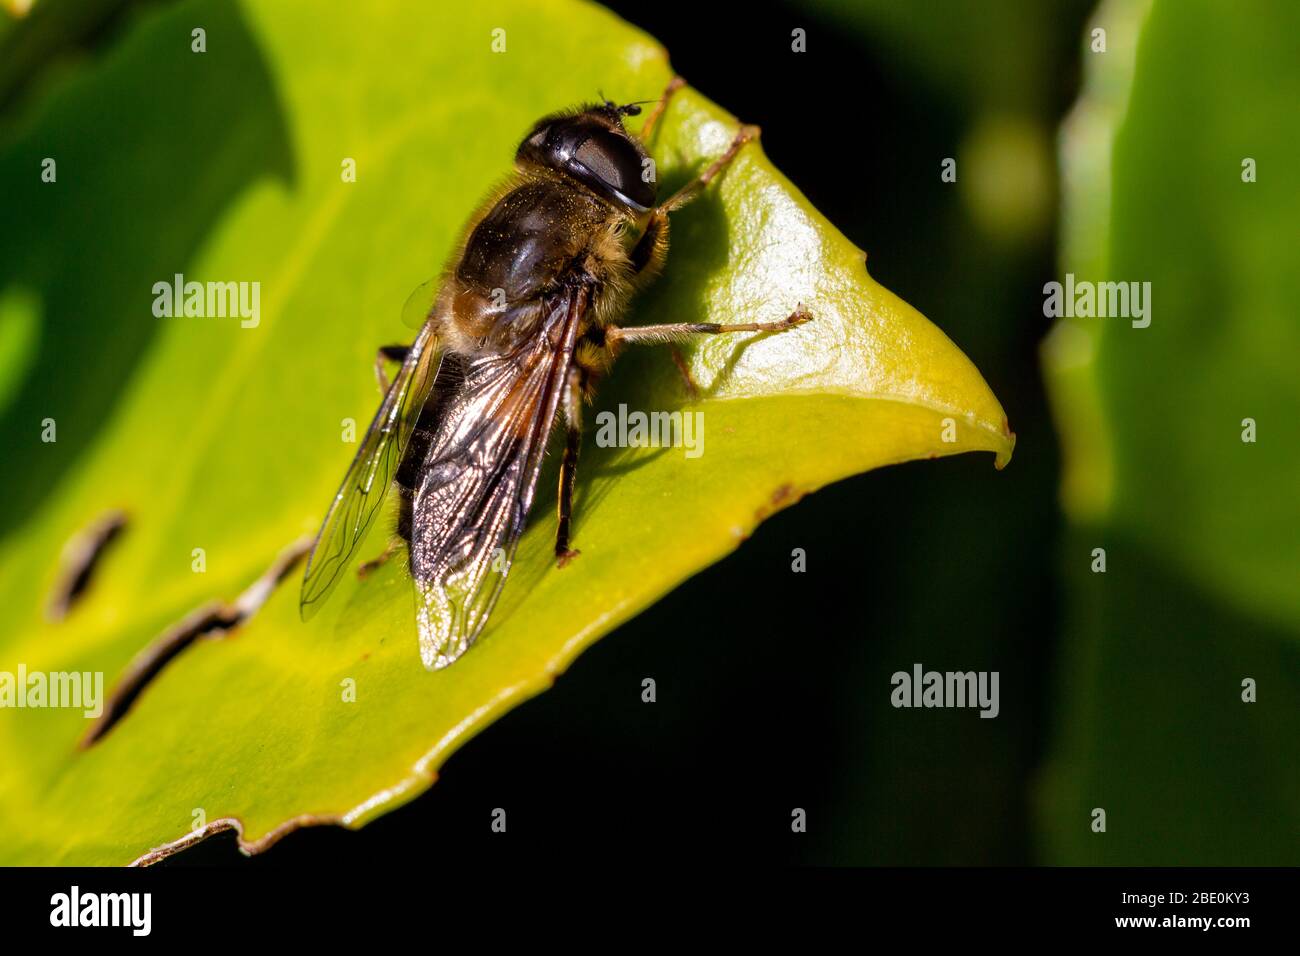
point(785, 496)
point(248, 848)
point(81, 556)
point(214, 619)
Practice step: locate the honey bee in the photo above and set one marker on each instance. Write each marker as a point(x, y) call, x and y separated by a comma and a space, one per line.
point(523, 327)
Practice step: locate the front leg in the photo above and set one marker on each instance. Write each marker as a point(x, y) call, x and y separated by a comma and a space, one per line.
point(648, 254)
point(657, 111)
point(695, 187)
point(651, 249)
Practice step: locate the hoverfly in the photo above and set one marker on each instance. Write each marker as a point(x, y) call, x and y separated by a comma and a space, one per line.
point(521, 330)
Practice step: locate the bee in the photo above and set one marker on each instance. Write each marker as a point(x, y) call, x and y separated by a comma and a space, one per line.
point(522, 329)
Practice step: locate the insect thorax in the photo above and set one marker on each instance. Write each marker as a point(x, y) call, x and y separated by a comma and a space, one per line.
point(539, 237)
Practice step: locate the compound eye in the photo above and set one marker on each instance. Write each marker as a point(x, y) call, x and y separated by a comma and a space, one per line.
point(596, 157)
point(616, 164)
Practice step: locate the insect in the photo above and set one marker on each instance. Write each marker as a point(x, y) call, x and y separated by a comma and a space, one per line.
point(521, 330)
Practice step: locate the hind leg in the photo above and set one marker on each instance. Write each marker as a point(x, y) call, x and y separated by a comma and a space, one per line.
point(394, 544)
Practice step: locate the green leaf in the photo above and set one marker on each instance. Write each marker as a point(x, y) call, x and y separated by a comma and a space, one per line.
point(226, 166)
point(1199, 592)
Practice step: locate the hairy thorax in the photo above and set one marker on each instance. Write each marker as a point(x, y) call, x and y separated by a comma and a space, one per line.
point(538, 237)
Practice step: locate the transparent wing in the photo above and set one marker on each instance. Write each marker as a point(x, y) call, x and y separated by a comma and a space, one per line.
point(366, 484)
point(478, 482)
point(419, 304)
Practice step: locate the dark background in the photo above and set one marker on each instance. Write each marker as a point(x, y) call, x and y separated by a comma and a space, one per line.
point(947, 563)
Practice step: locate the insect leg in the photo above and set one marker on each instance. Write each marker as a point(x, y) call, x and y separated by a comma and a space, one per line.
point(665, 334)
point(647, 258)
point(569, 465)
point(388, 353)
point(657, 111)
point(692, 189)
point(374, 564)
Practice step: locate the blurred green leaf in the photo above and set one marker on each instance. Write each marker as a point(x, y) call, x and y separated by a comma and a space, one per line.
point(994, 64)
point(227, 439)
point(1200, 590)
point(37, 38)
point(981, 54)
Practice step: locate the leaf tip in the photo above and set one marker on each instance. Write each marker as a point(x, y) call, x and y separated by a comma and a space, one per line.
point(1002, 457)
